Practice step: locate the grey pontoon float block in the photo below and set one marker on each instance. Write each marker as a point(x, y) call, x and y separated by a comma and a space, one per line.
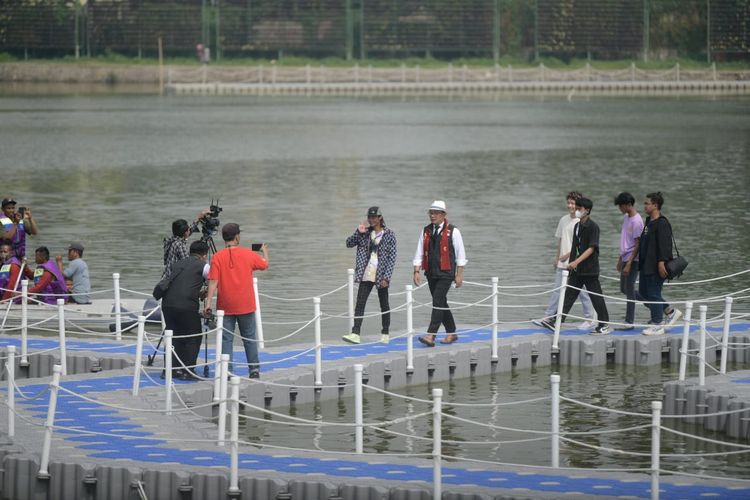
point(164, 484)
point(261, 489)
point(312, 490)
point(405, 494)
point(352, 492)
point(115, 483)
point(481, 358)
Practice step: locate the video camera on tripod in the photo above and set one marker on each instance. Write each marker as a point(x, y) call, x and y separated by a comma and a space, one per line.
point(209, 222)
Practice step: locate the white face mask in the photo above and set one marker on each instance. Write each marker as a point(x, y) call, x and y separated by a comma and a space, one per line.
point(579, 214)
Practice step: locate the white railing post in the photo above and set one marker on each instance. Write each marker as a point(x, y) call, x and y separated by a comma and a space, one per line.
point(560, 302)
point(725, 335)
point(437, 444)
point(494, 318)
point(10, 366)
point(224, 369)
point(54, 385)
point(138, 365)
point(358, 433)
point(409, 329)
point(168, 370)
point(655, 447)
point(24, 323)
point(218, 348)
point(61, 334)
point(555, 410)
point(350, 296)
point(234, 436)
point(702, 348)
point(685, 339)
point(258, 318)
point(118, 308)
point(318, 354)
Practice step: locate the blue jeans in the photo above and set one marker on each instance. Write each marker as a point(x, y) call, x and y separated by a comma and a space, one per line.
point(246, 323)
point(649, 290)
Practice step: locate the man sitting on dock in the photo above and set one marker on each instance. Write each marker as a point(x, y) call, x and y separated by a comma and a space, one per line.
point(10, 272)
point(78, 272)
point(49, 282)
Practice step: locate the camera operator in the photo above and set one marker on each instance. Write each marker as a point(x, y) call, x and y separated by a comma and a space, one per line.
point(176, 247)
point(181, 309)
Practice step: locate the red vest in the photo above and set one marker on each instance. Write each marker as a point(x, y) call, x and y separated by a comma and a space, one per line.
point(445, 242)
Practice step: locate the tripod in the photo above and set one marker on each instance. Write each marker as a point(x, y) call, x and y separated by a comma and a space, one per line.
point(208, 322)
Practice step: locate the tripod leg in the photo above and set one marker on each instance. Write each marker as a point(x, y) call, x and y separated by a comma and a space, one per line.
point(150, 358)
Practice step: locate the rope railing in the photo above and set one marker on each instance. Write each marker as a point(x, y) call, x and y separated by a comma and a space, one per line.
point(56, 389)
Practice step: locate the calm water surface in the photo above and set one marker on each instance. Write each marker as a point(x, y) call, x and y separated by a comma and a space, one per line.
point(622, 388)
point(115, 170)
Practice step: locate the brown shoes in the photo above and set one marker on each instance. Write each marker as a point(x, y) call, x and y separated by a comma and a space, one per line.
point(428, 340)
point(449, 339)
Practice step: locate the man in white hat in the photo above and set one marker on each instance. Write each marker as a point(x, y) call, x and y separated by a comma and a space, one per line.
point(441, 255)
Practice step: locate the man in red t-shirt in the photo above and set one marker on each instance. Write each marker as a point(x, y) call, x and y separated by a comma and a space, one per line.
point(231, 274)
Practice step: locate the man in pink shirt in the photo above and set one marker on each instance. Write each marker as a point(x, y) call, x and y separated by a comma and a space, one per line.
point(627, 263)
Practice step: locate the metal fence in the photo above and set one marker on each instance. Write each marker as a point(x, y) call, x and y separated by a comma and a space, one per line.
point(361, 29)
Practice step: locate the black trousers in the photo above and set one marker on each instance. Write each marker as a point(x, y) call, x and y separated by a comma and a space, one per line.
point(184, 322)
point(439, 287)
point(365, 287)
point(594, 287)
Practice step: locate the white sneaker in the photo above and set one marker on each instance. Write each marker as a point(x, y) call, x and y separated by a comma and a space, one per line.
point(653, 330)
point(673, 318)
point(385, 338)
point(586, 326)
point(352, 338)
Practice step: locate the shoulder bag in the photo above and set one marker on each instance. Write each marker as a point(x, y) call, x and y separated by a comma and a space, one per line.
point(161, 287)
point(675, 266)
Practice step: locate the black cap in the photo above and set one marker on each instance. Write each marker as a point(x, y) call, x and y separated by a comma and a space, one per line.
point(8, 201)
point(230, 230)
point(76, 245)
point(373, 211)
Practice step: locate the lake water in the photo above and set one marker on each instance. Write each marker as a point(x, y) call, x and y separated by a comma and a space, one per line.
point(114, 171)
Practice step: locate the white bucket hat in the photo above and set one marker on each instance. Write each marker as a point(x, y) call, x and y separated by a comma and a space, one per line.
point(438, 205)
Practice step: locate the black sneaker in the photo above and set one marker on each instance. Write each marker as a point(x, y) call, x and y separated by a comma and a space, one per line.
point(254, 374)
point(600, 330)
point(548, 325)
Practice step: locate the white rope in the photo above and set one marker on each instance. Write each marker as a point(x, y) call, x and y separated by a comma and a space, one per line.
point(319, 450)
point(493, 405)
point(702, 476)
point(606, 449)
point(542, 467)
point(495, 427)
point(594, 407)
point(302, 298)
point(29, 398)
point(705, 440)
point(126, 408)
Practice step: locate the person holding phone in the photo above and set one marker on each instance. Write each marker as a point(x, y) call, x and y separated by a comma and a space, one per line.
point(16, 225)
point(376, 258)
point(231, 275)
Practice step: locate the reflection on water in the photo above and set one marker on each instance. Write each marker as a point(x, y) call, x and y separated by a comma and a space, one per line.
point(623, 388)
point(114, 171)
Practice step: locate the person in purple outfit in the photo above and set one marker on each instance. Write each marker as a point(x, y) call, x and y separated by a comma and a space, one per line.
point(627, 262)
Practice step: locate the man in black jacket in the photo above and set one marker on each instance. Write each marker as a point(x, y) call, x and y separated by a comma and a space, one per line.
point(180, 306)
point(584, 268)
point(655, 251)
